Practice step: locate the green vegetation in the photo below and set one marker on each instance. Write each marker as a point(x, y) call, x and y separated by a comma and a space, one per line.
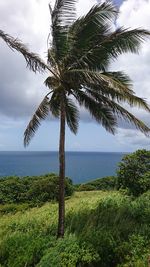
point(106, 183)
point(103, 229)
point(133, 176)
point(20, 193)
point(80, 52)
point(134, 173)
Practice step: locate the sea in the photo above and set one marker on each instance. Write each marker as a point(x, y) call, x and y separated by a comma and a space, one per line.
point(80, 166)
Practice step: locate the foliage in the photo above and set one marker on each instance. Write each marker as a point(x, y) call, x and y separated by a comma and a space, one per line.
point(106, 183)
point(134, 172)
point(68, 252)
point(103, 229)
point(79, 54)
point(31, 190)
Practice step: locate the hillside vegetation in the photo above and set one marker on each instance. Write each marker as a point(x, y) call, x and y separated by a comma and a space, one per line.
point(105, 183)
point(103, 229)
point(20, 193)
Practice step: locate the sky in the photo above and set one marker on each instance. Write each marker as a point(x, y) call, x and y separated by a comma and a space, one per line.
point(21, 91)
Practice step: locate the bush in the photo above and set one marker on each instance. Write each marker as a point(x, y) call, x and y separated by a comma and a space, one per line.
point(106, 183)
point(68, 252)
point(134, 173)
point(33, 190)
point(114, 229)
point(22, 249)
point(12, 207)
point(105, 229)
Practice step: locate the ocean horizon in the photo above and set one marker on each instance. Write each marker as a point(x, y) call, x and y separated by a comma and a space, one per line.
point(80, 166)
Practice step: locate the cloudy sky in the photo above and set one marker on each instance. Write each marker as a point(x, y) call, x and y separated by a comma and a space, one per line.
point(21, 90)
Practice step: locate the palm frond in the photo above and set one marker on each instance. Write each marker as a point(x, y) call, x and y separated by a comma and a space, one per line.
point(121, 82)
point(100, 112)
point(114, 85)
point(40, 114)
point(84, 32)
point(64, 12)
point(109, 46)
point(119, 111)
point(54, 104)
point(63, 15)
point(51, 82)
point(34, 62)
point(115, 80)
point(129, 117)
point(122, 41)
point(72, 115)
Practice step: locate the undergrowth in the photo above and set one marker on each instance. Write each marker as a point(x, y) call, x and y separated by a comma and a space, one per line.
point(103, 229)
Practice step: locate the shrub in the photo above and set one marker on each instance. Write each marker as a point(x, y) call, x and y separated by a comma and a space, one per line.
point(12, 207)
point(22, 249)
point(33, 190)
point(134, 173)
point(104, 229)
point(68, 252)
point(106, 183)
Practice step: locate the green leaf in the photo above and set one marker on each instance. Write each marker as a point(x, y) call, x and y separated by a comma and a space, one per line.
point(34, 62)
point(100, 112)
point(40, 114)
point(63, 15)
point(72, 115)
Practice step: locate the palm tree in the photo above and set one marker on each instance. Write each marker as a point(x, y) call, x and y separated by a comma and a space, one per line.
point(77, 60)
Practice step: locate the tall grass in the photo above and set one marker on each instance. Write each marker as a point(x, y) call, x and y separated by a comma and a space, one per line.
point(103, 229)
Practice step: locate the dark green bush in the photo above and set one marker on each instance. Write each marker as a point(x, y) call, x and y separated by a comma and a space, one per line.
point(68, 252)
point(32, 190)
point(106, 183)
point(118, 230)
point(134, 173)
point(22, 249)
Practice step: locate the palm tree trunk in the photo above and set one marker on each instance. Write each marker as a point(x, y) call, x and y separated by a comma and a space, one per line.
point(61, 216)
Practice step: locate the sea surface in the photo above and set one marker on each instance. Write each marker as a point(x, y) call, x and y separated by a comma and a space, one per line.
point(80, 166)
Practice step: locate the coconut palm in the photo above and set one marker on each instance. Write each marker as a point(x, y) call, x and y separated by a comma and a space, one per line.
point(78, 58)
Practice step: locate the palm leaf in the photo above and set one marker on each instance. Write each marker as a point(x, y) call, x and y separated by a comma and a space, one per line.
point(114, 85)
point(54, 104)
point(85, 77)
point(100, 112)
point(63, 15)
point(103, 50)
point(64, 12)
point(84, 31)
point(119, 42)
point(51, 82)
point(119, 111)
point(72, 115)
point(34, 62)
point(40, 114)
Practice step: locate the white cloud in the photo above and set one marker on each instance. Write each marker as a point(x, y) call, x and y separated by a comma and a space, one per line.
point(20, 90)
point(132, 139)
point(135, 14)
point(83, 8)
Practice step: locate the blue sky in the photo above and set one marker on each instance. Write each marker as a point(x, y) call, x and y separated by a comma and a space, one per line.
point(22, 91)
point(118, 2)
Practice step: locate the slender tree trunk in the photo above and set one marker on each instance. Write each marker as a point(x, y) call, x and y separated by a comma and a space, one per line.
point(61, 216)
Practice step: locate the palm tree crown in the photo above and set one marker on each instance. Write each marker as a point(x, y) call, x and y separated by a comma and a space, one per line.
point(77, 60)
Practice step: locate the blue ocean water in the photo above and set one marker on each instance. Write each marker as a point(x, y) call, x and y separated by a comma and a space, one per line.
point(80, 166)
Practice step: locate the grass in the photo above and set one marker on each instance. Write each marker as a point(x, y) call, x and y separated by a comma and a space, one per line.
point(102, 229)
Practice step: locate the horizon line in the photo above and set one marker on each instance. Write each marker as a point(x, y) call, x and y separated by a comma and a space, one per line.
point(56, 151)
